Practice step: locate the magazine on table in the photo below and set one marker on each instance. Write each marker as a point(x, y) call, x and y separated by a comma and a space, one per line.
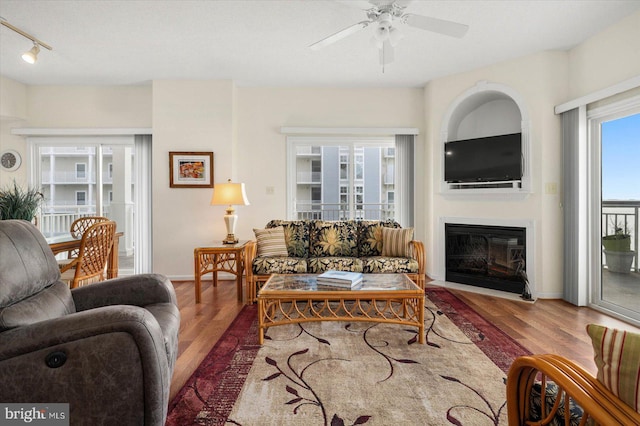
point(340, 278)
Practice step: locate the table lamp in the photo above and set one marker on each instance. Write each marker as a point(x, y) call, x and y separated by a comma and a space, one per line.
point(229, 194)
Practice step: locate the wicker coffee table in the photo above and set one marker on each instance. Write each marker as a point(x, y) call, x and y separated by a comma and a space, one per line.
point(297, 298)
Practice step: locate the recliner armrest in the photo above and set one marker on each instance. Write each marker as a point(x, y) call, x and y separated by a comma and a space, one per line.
point(115, 365)
point(137, 290)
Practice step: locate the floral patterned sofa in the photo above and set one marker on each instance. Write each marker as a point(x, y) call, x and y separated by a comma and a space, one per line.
point(314, 246)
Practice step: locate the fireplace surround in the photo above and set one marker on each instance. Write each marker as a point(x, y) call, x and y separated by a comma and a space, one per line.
point(493, 254)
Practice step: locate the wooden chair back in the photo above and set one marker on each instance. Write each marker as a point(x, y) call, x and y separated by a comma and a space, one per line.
point(79, 226)
point(95, 247)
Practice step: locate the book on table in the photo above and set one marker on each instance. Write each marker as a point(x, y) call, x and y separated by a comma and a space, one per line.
point(340, 278)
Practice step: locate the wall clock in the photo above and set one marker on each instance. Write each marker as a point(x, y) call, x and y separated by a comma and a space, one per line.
point(10, 160)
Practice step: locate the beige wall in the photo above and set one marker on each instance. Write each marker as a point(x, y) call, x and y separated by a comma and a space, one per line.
point(607, 58)
point(262, 148)
point(188, 116)
point(539, 80)
point(13, 112)
point(242, 127)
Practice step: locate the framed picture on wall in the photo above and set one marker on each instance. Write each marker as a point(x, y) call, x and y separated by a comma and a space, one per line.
point(191, 169)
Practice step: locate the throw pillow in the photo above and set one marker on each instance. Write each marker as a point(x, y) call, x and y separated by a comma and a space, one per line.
point(271, 242)
point(396, 242)
point(617, 356)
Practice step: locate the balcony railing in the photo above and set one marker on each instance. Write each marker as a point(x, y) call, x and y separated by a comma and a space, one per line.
point(328, 211)
point(71, 177)
point(308, 177)
point(624, 215)
point(57, 220)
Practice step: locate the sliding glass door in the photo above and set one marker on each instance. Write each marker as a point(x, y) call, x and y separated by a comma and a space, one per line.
point(96, 176)
point(617, 135)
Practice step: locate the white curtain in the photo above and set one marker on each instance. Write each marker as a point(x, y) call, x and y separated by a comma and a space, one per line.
point(404, 180)
point(143, 209)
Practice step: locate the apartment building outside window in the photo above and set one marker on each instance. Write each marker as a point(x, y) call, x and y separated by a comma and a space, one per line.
point(351, 182)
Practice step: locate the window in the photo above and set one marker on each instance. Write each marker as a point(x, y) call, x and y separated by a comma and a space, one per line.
point(316, 170)
point(81, 198)
point(344, 166)
point(74, 175)
point(391, 197)
point(359, 164)
point(352, 183)
point(81, 170)
point(615, 135)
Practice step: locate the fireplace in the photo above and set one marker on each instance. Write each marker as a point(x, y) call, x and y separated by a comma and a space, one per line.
point(486, 256)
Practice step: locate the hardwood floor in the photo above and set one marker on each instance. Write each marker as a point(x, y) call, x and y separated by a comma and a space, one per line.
point(547, 326)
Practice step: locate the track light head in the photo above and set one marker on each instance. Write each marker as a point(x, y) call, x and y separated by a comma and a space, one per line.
point(31, 56)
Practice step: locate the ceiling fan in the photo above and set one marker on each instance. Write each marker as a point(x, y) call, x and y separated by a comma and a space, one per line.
point(386, 14)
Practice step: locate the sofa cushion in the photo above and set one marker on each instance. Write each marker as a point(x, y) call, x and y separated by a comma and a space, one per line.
point(370, 236)
point(318, 265)
point(279, 265)
point(382, 265)
point(397, 242)
point(271, 242)
point(333, 238)
point(617, 356)
point(551, 395)
point(296, 236)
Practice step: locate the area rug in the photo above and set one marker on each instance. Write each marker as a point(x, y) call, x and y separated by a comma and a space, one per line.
point(353, 373)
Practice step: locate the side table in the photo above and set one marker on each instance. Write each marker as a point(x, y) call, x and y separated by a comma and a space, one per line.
point(219, 257)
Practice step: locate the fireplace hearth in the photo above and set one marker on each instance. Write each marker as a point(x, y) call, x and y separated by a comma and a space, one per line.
point(486, 256)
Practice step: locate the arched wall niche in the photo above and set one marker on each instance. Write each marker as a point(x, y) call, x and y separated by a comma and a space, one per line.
point(487, 109)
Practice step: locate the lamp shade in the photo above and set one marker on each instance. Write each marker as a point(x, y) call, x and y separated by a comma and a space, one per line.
point(229, 194)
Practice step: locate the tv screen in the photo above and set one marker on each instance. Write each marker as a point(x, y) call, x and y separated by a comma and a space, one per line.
point(490, 159)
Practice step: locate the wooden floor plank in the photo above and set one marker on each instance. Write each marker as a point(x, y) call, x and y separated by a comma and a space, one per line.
point(546, 326)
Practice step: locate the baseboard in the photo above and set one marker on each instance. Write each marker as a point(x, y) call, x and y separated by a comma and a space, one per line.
point(480, 290)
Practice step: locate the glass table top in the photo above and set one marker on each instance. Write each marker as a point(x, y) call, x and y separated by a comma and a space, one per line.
point(308, 282)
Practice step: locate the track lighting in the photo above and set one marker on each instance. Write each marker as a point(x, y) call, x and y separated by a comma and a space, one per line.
point(31, 56)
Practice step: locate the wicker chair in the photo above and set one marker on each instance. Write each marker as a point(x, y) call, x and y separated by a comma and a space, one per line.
point(78, 227)
point(551, 381)
point(89, 267)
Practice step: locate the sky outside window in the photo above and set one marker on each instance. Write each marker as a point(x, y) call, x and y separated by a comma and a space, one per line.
point(621, 159)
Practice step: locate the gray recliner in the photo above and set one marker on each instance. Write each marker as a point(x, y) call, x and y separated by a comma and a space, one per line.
point(107, 349)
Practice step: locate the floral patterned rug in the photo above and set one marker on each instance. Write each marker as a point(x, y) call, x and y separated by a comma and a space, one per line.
point(353, 373)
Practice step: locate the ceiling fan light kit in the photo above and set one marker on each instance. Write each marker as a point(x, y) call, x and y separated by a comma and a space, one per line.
point(31, 55)
point(386, 35)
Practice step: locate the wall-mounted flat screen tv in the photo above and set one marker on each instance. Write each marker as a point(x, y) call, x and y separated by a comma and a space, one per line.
point(489, 159)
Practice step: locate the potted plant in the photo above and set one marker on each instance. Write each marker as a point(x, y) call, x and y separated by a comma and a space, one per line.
point(19, 203)
point(617, 250)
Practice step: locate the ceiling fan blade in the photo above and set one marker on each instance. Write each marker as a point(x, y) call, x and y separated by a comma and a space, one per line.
point(436, 25)
point(386, 53)
point(339, 35)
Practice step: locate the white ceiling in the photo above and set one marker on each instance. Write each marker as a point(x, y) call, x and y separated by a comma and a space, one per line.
point(265, 42)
